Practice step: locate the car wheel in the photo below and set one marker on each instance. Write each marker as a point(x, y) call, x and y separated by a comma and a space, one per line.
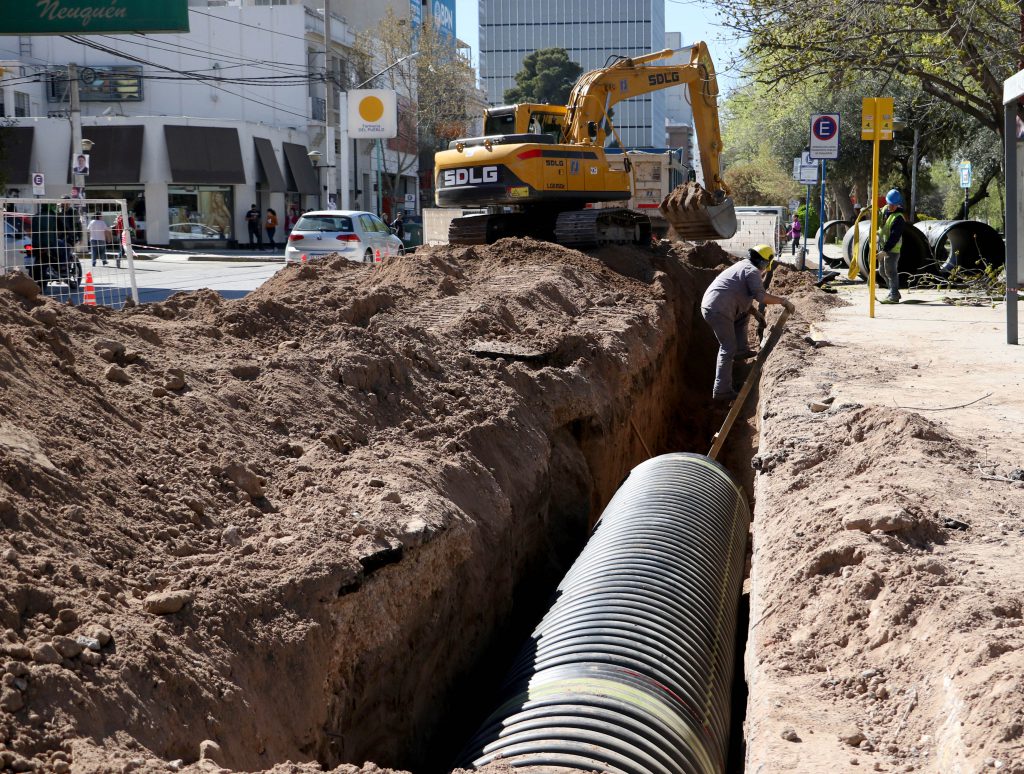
point(368, 256)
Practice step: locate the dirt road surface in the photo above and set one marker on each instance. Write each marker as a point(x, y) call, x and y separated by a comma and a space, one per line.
point(286, 525)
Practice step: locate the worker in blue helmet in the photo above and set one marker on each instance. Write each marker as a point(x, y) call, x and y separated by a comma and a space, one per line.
point(891, 223)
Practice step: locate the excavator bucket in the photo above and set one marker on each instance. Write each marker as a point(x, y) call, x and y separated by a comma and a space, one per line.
point(696, 215)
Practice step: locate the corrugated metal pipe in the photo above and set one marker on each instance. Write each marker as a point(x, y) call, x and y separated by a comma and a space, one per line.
point(915, 255)
point(630, 671)
point(968, 242)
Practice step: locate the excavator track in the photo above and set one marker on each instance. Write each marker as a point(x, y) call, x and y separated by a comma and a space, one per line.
point(487, 229)
point(587, 228)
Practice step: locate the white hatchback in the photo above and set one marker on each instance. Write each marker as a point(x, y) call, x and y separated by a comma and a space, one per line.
point(358, 236)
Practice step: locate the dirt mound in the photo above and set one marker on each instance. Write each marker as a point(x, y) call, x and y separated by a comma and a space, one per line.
point(234, 521)
point(886, 619)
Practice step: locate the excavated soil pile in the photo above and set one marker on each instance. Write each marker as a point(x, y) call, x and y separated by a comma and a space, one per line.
point(281, 528)
point(887, 590)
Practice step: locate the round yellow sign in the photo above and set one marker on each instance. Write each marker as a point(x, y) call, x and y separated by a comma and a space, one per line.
point(371, 108)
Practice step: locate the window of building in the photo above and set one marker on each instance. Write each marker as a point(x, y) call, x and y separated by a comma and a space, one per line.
point(209, 206)
point(20, 104)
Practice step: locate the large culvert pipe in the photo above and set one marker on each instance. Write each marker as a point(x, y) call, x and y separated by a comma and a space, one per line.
point(972, 242)
point(631, 669)
point(915, 255)
point(835, 230)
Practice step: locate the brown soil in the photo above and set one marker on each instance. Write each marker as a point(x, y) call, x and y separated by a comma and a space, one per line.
point(278, 533)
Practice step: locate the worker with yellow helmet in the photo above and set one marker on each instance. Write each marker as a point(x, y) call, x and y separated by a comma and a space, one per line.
point(726, 308)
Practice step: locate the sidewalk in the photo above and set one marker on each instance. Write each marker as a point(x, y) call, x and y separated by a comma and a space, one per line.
point(235, 256)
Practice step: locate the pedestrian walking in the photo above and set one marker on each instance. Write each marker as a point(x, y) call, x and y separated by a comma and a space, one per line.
point(119, 236)
point(252, 222)
point(270, 223)
point(726, 308)
point(398, 226)
point(890, 239)
point(99, 236)
point(794, 232)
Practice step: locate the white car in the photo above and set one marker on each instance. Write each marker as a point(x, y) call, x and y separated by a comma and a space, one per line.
point(358, 236)
point(193, 231)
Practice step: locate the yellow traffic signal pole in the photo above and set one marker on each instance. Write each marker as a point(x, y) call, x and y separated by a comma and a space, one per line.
point(876, 124)
point(873, 237)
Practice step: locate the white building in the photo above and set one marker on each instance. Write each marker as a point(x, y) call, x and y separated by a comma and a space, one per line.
point(590, 31)
point(196, 127)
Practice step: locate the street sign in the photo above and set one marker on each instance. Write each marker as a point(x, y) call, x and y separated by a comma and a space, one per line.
point(876, 116)
point(372, 113)
point(805, 169)
point(793, 204)
point(38, 184)
point(824, 142)
point(965, 174)
point(50, 17)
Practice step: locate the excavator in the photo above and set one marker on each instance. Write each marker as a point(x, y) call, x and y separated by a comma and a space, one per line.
point(539, 170)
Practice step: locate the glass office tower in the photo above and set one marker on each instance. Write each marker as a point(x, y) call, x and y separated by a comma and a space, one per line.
point(591, 31)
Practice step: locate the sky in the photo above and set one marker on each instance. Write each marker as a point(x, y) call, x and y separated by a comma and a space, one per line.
point(696, 20)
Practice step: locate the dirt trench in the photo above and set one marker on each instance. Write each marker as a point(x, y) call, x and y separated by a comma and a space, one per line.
point(308, 525)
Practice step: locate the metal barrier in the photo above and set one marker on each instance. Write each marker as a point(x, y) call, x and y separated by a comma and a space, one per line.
point(73, 248)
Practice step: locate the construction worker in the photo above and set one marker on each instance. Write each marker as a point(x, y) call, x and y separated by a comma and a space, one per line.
point(726, 307)
point(890, 238)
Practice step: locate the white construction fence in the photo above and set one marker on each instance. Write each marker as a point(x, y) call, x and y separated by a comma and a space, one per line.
point(77, 250)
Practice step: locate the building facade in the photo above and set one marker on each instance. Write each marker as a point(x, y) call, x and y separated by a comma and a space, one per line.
point(194, 128)
point(590, 31)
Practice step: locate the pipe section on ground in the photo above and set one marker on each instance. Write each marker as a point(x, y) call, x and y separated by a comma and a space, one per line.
point(630, 671)
point(973, 244)
point(915, 255)
point(835, 231)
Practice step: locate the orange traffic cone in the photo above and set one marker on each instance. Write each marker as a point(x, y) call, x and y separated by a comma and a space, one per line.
point(303, 257)
point(89, 296)
point(377, 258)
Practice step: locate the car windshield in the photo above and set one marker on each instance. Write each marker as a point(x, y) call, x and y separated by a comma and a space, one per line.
point(323, 223)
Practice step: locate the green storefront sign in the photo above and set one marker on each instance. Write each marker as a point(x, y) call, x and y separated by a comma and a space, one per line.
point(84, 17)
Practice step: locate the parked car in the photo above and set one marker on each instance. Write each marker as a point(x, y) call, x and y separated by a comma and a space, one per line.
point(193, 231)
point(358, 236)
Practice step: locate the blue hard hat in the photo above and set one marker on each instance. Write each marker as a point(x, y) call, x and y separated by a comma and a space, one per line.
point(894, 197)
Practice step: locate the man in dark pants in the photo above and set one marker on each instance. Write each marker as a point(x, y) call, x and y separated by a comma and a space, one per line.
point(726, 308)
point(252, 222)
point(890, 239)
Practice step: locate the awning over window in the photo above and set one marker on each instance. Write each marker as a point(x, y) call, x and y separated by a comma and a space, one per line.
point(16, 154)
point(301, 175)
point(268, 164)
point(204, 155)
point(116, 156)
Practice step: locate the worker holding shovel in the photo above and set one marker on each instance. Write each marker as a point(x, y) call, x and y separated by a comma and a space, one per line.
point(726, 308)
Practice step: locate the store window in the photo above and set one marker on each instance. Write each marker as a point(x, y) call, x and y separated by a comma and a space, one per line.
point(200, 212)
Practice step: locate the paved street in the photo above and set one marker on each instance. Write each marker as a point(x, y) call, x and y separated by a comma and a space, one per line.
point(169, 273)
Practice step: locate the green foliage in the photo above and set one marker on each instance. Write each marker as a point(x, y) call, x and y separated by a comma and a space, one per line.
point(761, 180)
point(547, 76)
point(809, 220)
point(956, 53)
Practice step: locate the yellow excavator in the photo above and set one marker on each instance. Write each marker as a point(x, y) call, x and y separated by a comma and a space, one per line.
point(538, 167)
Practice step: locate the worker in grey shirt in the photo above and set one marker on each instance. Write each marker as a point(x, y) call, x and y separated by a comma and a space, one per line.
point(726, 307)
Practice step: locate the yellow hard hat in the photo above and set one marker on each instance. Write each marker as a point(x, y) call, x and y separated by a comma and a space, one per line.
point(762, 256)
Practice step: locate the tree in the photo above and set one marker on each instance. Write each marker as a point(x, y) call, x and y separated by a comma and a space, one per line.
point(547, 77)
point(959, 53)
point(435, 88)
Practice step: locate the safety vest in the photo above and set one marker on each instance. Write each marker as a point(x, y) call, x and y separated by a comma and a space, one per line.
point(885, 228)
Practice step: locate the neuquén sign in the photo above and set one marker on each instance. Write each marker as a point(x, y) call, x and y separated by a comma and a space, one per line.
point(62, 17)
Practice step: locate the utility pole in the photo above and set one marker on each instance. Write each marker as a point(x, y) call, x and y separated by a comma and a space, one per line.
point(913, 177)
point(76, 122)
point(329, 98)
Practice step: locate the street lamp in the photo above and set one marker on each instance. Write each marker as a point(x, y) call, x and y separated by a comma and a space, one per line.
point(314, 158)
point(380, 144)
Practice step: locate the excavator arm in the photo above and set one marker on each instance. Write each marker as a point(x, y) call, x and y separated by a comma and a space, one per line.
point(599, 90)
